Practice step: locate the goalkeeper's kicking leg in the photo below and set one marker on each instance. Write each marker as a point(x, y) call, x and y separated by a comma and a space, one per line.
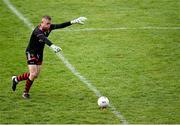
point(29, 77)
point(34, 64)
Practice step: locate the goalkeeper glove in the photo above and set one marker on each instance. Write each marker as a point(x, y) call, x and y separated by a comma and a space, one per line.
point(79, 20)
point(55, 48)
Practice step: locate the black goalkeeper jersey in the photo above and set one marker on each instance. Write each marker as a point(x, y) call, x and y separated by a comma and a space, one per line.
point(39, 38)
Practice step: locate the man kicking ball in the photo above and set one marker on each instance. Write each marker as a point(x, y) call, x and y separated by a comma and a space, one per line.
point(34, 51)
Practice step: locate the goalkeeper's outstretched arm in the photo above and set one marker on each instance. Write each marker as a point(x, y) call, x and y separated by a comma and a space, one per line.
point(58, 26)
point(79, 20)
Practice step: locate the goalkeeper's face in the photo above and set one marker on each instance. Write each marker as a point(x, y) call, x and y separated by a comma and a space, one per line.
point(46, 24)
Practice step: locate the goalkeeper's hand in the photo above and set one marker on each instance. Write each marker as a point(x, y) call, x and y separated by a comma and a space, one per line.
point(79, 20)
point(55, 48)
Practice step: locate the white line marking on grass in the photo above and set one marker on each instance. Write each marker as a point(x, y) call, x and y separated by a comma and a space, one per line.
point(15, 11)
point(76, 73)
point(119, 28)
point(67, 64)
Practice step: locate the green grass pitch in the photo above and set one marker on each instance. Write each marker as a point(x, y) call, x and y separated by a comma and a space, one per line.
point(137, 69)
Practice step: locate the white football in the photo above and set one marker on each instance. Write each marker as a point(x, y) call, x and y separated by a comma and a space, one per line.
point(103, 102)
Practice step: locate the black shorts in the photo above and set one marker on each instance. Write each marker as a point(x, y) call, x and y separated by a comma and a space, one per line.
point(34, 59)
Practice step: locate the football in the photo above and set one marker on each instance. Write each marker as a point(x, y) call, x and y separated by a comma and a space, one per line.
point(103, 102)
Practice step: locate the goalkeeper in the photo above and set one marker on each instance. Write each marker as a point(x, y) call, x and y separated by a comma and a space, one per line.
point(34, 51)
